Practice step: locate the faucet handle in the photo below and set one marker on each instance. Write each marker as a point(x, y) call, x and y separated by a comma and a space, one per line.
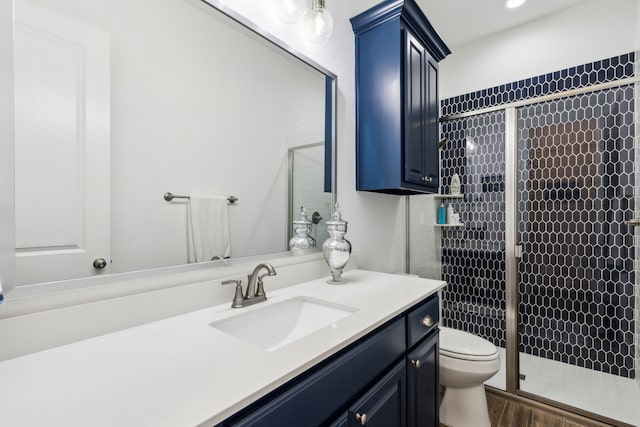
point(260, 287)
point(237, 298)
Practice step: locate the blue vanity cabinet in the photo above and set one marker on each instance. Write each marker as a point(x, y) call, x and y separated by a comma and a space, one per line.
point(373, 378)
point(397, 54)
point(326, 391)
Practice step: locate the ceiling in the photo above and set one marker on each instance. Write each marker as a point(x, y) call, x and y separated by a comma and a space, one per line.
point(461, 21)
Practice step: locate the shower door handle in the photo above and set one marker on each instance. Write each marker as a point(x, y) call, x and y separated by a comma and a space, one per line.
point(518, 251)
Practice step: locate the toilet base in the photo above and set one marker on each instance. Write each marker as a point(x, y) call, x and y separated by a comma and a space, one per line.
point(465, 407)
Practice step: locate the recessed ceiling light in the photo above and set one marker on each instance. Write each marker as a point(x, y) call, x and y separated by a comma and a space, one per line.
point(512, 4)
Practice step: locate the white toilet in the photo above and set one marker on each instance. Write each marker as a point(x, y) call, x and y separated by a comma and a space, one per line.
point(466, 362)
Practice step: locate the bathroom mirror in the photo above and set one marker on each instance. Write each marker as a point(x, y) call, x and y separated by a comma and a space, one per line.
point(120, 102)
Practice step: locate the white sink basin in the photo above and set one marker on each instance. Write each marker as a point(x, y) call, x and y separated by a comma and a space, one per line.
point(274, 326)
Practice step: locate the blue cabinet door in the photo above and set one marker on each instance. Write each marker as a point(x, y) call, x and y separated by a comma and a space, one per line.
point(423, 384)
point(415, 109)
point(431, 166)
point(384, 404)
point(421, 164)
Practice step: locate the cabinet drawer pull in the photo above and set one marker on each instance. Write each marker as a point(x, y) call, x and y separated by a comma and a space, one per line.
point(427, 321)
point(416, 363)
point(427, 178)
point(362, 418)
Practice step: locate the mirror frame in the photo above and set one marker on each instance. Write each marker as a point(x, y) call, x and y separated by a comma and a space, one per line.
point(41, 290)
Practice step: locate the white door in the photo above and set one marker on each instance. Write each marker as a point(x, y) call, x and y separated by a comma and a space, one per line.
point(62, 122)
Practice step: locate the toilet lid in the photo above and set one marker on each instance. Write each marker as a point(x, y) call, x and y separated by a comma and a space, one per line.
point(464, 345)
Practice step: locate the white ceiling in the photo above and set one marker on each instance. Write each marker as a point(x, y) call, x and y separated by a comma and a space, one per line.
point(460, 21)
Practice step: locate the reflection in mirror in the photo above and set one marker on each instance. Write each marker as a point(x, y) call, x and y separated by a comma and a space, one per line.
point(306, 166)
point(120, 102)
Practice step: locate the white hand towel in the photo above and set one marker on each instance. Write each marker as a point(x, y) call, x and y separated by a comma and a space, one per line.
point(208, 228)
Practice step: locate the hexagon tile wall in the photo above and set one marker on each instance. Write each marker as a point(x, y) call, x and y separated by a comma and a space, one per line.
point(575, 188)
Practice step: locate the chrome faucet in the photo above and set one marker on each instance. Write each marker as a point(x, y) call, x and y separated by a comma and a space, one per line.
point(255, 288)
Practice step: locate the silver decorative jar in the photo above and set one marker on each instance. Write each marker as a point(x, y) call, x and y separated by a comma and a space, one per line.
point(336, 249)
point(302, 228)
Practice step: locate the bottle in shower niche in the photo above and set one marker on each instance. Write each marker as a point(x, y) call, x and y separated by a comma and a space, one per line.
point(442, 214)
point(455, 185)
point(450, 214)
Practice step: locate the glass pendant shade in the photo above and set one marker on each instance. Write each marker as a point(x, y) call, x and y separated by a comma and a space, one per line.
point(512, 4)
point(289, 11)
point(318, 23)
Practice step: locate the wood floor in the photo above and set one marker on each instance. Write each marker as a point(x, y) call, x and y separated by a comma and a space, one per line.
point(506, 412)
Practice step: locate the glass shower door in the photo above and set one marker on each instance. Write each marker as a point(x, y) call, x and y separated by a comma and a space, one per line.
point(473, 255)
point(575, 190)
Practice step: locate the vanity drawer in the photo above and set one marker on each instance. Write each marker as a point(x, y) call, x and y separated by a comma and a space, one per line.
point(422, 320)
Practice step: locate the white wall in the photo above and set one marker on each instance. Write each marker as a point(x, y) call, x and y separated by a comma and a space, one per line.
point(587, 32)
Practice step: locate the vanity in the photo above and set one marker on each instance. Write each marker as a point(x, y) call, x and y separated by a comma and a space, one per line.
point(373, 360)
point(387, 378)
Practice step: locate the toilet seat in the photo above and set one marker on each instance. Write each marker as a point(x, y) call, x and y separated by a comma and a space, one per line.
point(465, 346)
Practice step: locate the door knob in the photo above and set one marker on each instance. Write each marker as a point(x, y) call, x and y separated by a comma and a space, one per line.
point(316, 218)
point(99, 263)
point(416, 363)
point(362, 418)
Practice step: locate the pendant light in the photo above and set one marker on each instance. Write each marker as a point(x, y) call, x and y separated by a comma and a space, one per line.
point(318, 22)
point(289, 11)
point(512, 4)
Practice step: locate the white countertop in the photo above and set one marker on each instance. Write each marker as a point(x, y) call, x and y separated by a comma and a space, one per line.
point(182, 372)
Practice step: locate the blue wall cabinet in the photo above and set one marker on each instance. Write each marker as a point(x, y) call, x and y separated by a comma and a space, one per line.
point(397, 54)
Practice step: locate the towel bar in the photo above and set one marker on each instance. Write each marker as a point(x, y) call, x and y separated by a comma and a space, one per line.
point(170, 196)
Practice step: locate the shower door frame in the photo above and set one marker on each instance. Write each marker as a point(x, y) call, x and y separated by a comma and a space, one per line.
point(512, 248)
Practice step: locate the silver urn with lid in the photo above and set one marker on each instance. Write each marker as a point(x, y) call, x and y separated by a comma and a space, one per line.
point(302, 228)
point(336, 249)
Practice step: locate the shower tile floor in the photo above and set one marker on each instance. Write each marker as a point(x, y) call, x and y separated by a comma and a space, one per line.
point(605, 394)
